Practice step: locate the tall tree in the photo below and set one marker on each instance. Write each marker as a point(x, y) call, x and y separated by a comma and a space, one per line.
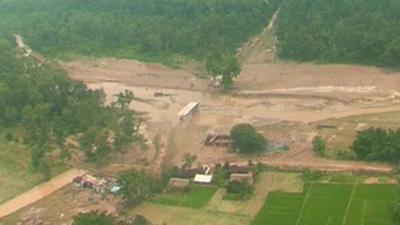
point(224, 68)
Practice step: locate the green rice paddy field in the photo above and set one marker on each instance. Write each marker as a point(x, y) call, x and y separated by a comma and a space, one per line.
point(331, 204)
point(197, 197)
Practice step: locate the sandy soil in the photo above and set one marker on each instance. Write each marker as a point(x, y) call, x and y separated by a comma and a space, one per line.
point(271, 96)
point(133, 73)
point(39, 192)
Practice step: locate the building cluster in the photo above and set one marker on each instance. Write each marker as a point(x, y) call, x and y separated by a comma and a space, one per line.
point(204, 176)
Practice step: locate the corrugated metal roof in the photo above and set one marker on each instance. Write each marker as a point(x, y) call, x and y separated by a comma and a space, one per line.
point(204, 179)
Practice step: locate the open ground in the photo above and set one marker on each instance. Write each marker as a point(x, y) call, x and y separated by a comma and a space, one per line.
point(283, 100)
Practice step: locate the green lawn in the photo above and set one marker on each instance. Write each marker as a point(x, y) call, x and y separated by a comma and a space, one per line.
point(16, 175)
point(331, 204)
point(197, 197)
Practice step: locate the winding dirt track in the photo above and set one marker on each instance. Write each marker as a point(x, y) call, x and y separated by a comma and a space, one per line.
point(39, 192)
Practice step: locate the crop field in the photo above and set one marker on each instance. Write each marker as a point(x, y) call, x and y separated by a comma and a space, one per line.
point(205, 205)
point(197, 197)
point(331, 204)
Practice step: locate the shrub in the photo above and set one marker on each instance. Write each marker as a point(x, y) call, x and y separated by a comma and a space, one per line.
point(8, 137)
point(240, 190)
point(345, 155)
point(140, 220)
point(319, 145)
point(93, 217)
point(309, 175)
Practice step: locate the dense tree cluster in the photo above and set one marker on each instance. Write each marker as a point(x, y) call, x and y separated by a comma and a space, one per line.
point(49, 108)
point(246, 139)
point(378, 144)
point(138, 185)
point(149, 29)
point(340, 31)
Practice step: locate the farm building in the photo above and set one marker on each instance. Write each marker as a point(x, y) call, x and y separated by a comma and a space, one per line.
point(243, 177)
point(188, 110)
point(203, 179)
point(190, 173)
point(179, 183)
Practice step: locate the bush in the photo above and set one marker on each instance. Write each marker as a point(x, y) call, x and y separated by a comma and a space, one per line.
point(8, 137)
point(345, 155)
point(140, 220)
point(319, 145)
point(239, 190)
point(92, 218)
point(245, 139)
point(309, 175)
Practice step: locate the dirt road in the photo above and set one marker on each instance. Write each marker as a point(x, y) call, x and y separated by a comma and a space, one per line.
point(39, 192)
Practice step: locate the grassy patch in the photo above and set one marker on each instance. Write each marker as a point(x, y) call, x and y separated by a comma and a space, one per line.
point(232, 197)
point(197, 197)
point(342, 137)
point(331, 204)
point(16, 175)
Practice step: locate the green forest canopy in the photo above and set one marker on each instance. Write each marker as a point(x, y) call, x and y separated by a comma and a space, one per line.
point(146, 29)
point(48, 107)
point(340, 31)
